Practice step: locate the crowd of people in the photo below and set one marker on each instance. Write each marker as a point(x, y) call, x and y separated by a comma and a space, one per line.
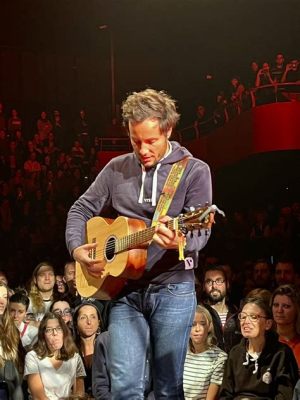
point(55, 344)
point(263, 83)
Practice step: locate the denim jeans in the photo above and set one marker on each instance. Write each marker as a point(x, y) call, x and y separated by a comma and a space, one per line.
point(157, 317)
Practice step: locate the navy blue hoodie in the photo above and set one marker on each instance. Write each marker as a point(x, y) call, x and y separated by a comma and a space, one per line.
point(124, 188)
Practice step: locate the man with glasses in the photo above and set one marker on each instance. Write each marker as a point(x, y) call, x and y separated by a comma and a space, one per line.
point(215, 290)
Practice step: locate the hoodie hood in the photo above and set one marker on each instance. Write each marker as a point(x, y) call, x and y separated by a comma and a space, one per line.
point(148, 190)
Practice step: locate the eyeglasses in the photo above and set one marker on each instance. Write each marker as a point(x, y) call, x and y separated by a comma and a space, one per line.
point(253, 317)
point(218, 281)
point(63, 313)
point(50, 331)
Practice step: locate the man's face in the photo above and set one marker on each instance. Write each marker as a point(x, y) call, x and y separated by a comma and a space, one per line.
point(148, 142)
point(279, 59)
point(262, 274)
point(70, 276)
point(215, 286)
point(45, 279)
point(284, 273)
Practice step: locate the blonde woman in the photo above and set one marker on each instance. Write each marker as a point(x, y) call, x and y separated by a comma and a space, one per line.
point(41, 291)
point(11, 361)
point(204, 363)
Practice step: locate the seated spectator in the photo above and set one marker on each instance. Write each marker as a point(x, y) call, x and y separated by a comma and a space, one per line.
point(14, 122)
point(285, 273)
point(220, 112)
point(285, 304)
point(44, 126)
point(203, 123)
point(292, 72)
point(63, 308)
point(31, 165)
point(204, 363)
point(278, 69)
point(11, 362)
point(87, 325)
point(266, 94)
point(262, 275)
point(77, 153)
point(54, 368)
point(237, 94)
point(60, 285)
point(260, 367)
point(18, 306)
point(215, 297)
point(3, 297)
point(254, 68)
point(41, 291)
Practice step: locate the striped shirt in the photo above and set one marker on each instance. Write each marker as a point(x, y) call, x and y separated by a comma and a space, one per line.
point(202, 369)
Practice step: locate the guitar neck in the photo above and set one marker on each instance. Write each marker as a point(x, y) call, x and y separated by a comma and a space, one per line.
point(136, 239)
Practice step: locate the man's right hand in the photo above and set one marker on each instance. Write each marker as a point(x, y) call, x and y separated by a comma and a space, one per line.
point(88, 257)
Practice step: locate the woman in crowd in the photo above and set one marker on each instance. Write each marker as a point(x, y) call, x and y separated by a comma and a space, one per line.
point(260, 366)
point(11, 362)
point(204, 364)
point(41, 291)
point(4, 291)
point(18, 306)
point(54, 368)
point(87, 325)
point(286, 313)
point(63, 308)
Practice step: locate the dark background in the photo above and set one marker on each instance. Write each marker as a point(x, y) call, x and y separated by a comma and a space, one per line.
point(53, 55)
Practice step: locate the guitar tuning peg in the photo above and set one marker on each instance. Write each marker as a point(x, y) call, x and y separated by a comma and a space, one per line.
point(192, 208)
point(192, 234)
point(199, 232)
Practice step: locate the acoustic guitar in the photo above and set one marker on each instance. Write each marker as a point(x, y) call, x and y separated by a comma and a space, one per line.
point(122, 249)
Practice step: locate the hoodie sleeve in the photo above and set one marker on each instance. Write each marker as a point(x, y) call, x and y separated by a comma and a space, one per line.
point(100, 370)
point(286, 374)
point(227, 387)
point(199, 193)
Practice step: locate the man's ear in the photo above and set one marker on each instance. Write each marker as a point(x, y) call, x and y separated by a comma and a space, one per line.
point(169, 133)
point(269, 324)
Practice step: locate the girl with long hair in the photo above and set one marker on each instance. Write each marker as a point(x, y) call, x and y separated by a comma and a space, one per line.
point(204, 363)
point(54, 368)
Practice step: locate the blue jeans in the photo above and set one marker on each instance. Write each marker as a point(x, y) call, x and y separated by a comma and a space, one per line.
point(157, 317)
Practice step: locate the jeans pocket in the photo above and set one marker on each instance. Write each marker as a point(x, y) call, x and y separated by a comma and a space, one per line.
point(181, 289)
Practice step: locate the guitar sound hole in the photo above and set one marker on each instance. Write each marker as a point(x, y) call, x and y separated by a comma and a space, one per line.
point(110, 249)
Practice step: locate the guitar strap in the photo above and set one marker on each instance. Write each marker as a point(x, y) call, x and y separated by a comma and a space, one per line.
point(166, 198)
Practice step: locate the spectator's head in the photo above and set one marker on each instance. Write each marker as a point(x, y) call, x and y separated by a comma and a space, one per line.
point(70, 277)
point(43, 115)
point(262, 274)
point(254, 66)
point(266, 67)
point(3, 278)
point(285, 272)
point(255, 318)
point(18, 306)
point(63, 308)
point(87, 320)
point(3, 297)
point(202, 334)
point(43, 278)
point(215, 284)
point(200, 111)
point(61, 286)
point(279, 60)
point(285, 304)
point(54, 338)
point(235, 81)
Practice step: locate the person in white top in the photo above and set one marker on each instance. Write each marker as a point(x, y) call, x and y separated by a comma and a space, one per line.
point(204, 363)
point(53, 368)
point(18, 306)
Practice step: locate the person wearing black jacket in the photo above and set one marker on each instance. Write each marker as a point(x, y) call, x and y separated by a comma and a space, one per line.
point(260, 366)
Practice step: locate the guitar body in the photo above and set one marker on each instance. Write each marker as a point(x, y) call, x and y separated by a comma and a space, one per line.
point(118, 266)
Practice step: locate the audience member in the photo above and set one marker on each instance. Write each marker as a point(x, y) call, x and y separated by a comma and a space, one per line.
point(44, 127)
point(41, 291)
point(11, 362)
point(54, 368)
point(14, 122)
point(215, 287)
point(285, 304)
point(3, 297)
point(62, 307)
point(285, 272)
point(262, 275)
point(18, 306)
point(204, 363)
point(278, 69)
point(87, 325)
point(260, 367)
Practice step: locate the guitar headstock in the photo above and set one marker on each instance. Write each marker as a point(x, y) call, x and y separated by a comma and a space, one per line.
point(199, 218)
